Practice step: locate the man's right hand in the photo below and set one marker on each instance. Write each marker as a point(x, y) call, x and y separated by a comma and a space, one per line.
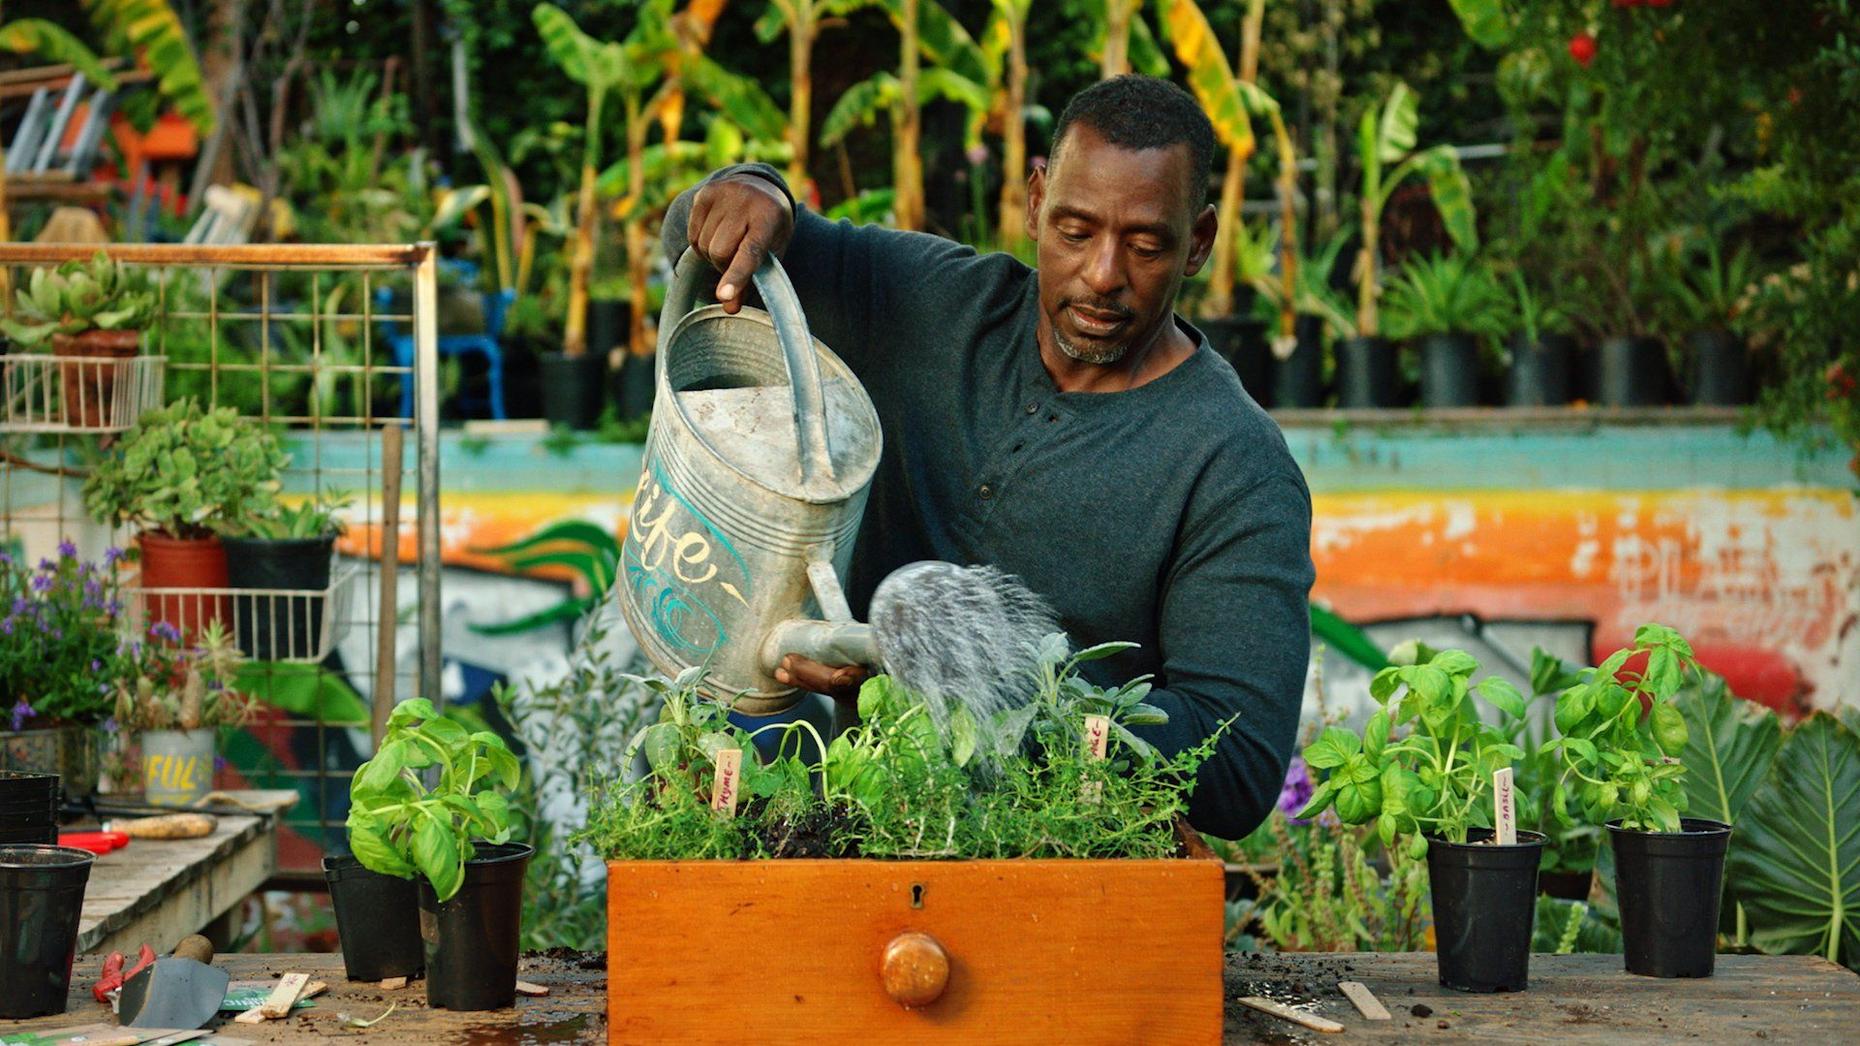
point(736, 221)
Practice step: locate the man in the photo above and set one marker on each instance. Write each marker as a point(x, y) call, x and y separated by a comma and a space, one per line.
point(1063, 426)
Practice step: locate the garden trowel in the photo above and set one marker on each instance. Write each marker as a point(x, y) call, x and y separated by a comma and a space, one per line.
point(180, 991)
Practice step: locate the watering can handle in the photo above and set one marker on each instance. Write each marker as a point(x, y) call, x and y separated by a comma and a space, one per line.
point(797, 350)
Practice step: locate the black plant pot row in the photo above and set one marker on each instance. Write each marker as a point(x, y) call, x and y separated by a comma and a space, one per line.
point(467, 946)
point(575, 390)
point(28, 808)
point(1485, 898)
point(1625, 372)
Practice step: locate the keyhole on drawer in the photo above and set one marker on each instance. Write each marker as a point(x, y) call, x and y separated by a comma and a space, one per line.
point(917, 895)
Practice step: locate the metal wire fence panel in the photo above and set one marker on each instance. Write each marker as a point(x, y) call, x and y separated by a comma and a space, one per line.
point(315, 342)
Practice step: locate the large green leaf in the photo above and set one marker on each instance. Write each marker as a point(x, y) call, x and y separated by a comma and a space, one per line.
point(1486, 21)
point(1452, 193)
point(941, 38)
point(595, 64)
point(1729, 745)
point(1797, 870)
point(151, 29)
point(1209, 75)
point(36, 37)
point(737, 97)
point(1401, 120)
point(1347, 639)
point(859, 104)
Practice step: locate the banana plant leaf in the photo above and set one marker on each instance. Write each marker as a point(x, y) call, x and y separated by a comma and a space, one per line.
point(1797, 870)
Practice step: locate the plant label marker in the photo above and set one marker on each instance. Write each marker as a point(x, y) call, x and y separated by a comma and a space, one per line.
point(1364, 1000)
point(283, 997)
point(1286, 1013)
point(1505, 808)
point(1097, 735)
point(729, 779)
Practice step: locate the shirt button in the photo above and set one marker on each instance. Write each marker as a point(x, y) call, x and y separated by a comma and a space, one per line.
point(986, 492)
point(1033, 408)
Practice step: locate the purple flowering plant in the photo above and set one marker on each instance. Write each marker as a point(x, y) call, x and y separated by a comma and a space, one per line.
point(162, 684)
point(58, 625)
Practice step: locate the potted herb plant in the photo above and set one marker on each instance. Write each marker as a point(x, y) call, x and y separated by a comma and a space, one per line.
point(283, 550)
point(1432, 785)
point(182, 474)
point(58, 629)
point(174, 699)
point(453, 835)
point(1706, 295)
point(93, 313)
point(1540, 347)
point(1449, 305)
point(1620, 741)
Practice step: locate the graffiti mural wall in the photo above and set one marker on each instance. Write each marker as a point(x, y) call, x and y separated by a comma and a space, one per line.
point(1579, 528)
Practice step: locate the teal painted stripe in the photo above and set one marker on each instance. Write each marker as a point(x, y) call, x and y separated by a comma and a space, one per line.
point(1605, 457)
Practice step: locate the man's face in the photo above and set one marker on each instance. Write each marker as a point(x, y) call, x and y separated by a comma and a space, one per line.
point(1116, 234)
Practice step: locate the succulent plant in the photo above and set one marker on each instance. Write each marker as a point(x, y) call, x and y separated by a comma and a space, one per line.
point(187, 471)
point(79, 296)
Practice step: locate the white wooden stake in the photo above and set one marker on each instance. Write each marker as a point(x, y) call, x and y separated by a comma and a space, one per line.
point(1505, 808)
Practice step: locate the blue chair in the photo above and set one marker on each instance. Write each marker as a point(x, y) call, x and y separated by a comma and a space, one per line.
point(485, 344)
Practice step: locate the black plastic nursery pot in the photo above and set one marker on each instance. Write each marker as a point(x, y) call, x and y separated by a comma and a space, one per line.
point(1298, 379)
point(1668, 885)
point(471, 940)
point(635, 385)
point(1485, 898)
point(1539, 375)
point(378, 919)
point(277, 627)
point(1449, 370)
point(41, 899)
point(1366, 373)
point(574, 389)
point(1631, 372)
point(1717, 368)
point(1241, 341)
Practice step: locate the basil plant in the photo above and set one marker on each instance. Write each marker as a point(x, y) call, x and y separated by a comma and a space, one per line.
point(1622, 736)
point(1422, 766)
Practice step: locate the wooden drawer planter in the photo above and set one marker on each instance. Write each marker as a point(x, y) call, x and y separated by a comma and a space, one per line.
point(1072, 951)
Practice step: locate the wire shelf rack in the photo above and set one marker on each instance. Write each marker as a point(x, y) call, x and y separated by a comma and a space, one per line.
point(283, 625)
point(53, 394)
point(293, 336)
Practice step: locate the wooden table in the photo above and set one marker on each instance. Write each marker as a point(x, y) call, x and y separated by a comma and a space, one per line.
point(1573, 999)
point(157, 891)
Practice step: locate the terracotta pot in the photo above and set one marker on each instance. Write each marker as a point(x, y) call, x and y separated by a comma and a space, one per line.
point(88, 386)
point(183, 563)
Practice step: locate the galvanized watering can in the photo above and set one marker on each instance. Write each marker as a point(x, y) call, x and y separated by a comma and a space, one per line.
point(760, 452)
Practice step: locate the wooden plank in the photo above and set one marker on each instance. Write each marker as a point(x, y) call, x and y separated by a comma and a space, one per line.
point(159, 891)
point(1072, 951)
point(1574, 1000)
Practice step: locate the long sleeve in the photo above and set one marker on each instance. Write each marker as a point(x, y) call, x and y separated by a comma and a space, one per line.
point(1235, 641)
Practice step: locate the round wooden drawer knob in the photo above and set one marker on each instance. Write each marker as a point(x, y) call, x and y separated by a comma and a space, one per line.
point(915, 969)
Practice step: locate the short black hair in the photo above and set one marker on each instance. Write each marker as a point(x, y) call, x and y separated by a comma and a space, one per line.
point(1145, 112)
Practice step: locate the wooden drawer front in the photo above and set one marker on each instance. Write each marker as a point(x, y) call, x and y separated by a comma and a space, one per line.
point(790, 951)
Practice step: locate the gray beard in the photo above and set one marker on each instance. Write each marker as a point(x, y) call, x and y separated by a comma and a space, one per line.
point(1101, 357)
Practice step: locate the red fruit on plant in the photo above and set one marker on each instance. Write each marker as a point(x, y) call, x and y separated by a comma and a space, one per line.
point(1582, 49)
point(1841, 384)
